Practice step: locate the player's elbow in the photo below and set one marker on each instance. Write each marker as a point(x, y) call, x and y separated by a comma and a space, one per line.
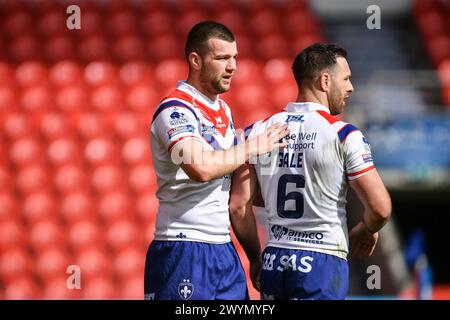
point(383, 210)
point(197, 173)
point(237, 209)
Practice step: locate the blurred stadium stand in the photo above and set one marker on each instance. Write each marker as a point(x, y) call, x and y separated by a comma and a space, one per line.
point(76, 178)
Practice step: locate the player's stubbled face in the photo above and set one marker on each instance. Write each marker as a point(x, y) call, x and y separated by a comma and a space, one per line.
point(341, 86)
point(219, 64)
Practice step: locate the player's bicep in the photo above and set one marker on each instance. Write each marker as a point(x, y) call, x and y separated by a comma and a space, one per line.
point(371, 191)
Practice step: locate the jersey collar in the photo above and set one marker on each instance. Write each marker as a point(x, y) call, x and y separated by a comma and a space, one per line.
point(305, 106)
point(197, 95)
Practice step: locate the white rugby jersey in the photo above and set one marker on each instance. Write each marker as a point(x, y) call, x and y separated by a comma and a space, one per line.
point(190, 210)
point(305, 185)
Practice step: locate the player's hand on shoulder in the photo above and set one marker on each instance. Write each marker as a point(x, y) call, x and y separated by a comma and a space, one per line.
point(269, 139)
point(362, 241)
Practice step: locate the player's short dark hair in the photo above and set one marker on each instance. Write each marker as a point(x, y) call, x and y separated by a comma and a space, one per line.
point(314, 59)
point(203, 31)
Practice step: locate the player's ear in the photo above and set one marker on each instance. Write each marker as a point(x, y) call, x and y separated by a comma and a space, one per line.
point(195, 61)
point(325, 81)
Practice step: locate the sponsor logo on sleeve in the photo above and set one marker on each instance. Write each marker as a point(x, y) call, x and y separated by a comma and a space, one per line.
point(179, 130)
point(177, 118)
point(367, 157)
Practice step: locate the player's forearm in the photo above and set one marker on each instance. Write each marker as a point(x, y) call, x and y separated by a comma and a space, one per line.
point(244, 226)
point(216, 164)
point(375, 218)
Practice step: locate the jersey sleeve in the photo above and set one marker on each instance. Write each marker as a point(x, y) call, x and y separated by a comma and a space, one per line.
point(357, 153)
point(173, 125)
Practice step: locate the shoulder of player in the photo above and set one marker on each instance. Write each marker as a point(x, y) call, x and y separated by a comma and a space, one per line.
point(174, 102)
point(341, 128)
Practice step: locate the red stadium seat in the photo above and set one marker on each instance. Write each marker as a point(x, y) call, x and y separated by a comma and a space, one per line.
point(93, 261)
point(127, 125)
point(51, 263)
point(157, 23)
point(129, 48)
point(107, 178)
point(143, 98)
point(129, 263)
point(252, 97)
point(91, 125)
point(272, 46)
point(300, 23)
point(17, 23)
point(135, 73)
point(39, 206)
point(164, 47)
point(72, 98)
point(6, 184)
point(45, 235)
point(115, 206)
point(66, 73)
point(33, 178)
point(50, 23)
point(14, 263)
point(249, 71)
point(439, 48)
point(12, 234)
point(92, 23)
point(29, 74)
point(84, 234)
point(63, 151)
point(99, 73)
point(121, 23)
point(264, 22)
point(6, 73)
point(107, 98)
point(136, 151)
point(8, 99)
point(37, 99)
point(147, 206)
point(54, 125)
point(100, 151)
point(21, 289)
point(25, 48)
point(123, 234)
point(431, 23)
point(278, 71)
point(99, 288)
point(142, 178)
point(76, 207)
point(18, 125)
point(286, 92)
point(133, 288)
point(59, 48)
point(24, 152)
point(69, 179)
point(94, 47)
point(56, 288)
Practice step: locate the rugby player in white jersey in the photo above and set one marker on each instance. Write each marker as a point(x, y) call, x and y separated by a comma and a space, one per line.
point(194, 150)
point(304, 186)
